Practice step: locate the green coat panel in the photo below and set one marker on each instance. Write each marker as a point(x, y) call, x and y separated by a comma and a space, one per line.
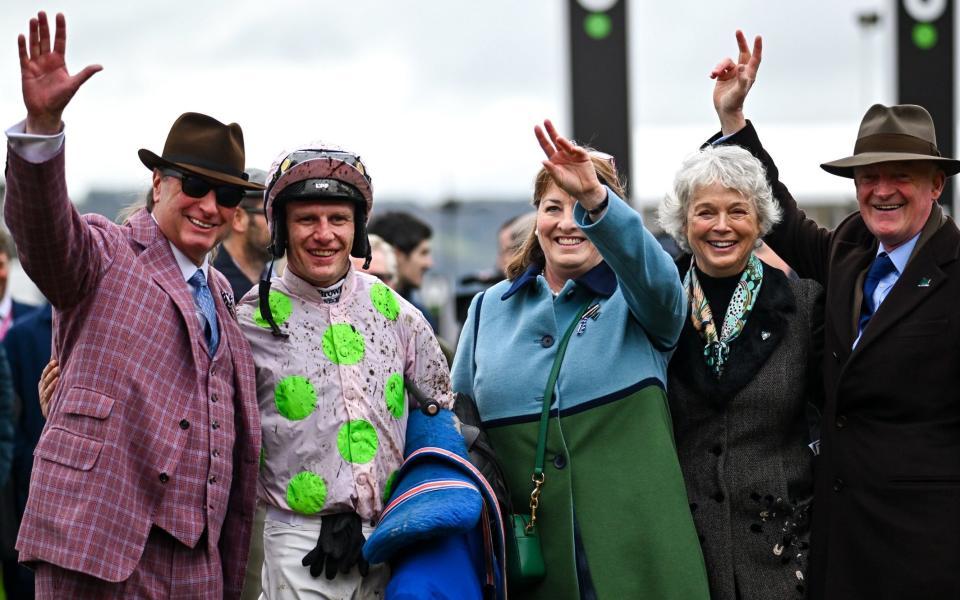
point(636, 530)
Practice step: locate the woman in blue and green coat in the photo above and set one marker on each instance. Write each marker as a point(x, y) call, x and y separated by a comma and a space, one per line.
point(613, 517)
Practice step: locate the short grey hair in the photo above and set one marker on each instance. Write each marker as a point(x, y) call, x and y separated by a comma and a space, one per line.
point(378, 244)
point(732, 167)
point(520, 227)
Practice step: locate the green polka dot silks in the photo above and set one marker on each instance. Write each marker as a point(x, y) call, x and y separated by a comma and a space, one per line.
point(306, 493)
point(393, 394)
point(357, 441)
point(280, 306)
point(295, 397)
point(343, 344)
point(384, 301)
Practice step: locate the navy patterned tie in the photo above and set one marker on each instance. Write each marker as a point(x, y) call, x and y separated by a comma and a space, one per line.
point(204, 301)
point(881, 267)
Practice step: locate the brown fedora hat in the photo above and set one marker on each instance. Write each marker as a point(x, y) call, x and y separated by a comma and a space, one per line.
point(891, 133)
point(203, 146)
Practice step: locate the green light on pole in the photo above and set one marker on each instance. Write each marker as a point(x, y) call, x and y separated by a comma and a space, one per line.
point(924, 35)
point(597, 25)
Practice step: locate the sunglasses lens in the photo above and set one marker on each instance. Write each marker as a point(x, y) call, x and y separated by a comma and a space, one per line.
point(229, 196)
point(194, 186)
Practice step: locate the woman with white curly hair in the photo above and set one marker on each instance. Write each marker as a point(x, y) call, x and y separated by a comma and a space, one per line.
point(741, 379)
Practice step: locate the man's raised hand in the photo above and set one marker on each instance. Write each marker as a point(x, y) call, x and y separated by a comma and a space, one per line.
point(47, 86)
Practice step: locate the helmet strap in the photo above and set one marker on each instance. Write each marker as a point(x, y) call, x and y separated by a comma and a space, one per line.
point(264, 293)
point(361, 242)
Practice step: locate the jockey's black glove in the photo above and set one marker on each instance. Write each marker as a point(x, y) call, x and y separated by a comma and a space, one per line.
point(339, 546)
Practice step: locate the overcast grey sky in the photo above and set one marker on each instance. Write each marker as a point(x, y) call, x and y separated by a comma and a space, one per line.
point(440, 96)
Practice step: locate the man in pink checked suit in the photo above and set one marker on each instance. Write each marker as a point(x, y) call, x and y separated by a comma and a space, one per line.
point(144, 480)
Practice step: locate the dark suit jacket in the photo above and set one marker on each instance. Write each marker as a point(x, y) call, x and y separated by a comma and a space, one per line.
point(887, 504)
point(21, 310)
point(238, 281)
point(28, 350)
point(128, 338)
point(7, 418)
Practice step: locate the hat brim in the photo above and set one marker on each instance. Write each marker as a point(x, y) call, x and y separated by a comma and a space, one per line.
point(844, 166)
point(153, 161)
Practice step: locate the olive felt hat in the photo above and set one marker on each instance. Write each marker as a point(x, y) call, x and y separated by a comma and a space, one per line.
point(893, 133)
point(203, 146)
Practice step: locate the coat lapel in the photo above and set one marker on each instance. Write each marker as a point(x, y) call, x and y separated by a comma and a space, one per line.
point(158, 260)
point(845, 290)
point(921, 277)
point(766, 326)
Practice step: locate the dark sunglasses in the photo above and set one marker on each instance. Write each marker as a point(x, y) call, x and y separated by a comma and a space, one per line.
point(228, 196)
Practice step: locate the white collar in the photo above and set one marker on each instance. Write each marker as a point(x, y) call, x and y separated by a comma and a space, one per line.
point(187, 268)
point(6, 304)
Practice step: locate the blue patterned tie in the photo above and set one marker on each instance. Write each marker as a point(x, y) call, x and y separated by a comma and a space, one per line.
point(204, 301)
point(881, 267)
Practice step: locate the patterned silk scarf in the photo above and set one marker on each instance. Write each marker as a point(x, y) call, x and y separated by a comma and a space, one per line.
point(741, 303)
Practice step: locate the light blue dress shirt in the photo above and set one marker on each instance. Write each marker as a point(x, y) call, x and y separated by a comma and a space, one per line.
point(899, 258)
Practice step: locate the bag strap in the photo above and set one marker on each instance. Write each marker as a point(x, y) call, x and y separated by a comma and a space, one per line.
point(538, 476)
point(548, 391)
point(476, 328)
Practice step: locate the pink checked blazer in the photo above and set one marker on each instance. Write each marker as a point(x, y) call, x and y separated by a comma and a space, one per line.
point(128, 337)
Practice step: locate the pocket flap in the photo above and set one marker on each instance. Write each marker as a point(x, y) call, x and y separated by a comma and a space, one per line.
point(923, 328)
point(81, 401)
point(69, 449)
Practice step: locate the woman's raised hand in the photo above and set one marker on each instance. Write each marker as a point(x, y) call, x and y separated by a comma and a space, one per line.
point(570, 166)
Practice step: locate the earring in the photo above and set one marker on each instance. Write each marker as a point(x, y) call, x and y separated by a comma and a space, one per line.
point(536, 232)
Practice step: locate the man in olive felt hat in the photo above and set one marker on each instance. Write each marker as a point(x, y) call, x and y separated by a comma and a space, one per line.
point(887, 498)
point(144, 479)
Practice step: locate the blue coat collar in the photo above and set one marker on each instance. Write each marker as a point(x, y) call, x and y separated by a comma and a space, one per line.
point(601, 280)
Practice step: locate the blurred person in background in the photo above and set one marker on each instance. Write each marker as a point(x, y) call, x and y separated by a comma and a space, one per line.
point(6, 419)
point(410, 238)
point(28, 349)
point(613, 518)
point(383, 261)
point(741, 379)
point(510, 237)
point(8, 516)
point(244, 254)
point(10, 310)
